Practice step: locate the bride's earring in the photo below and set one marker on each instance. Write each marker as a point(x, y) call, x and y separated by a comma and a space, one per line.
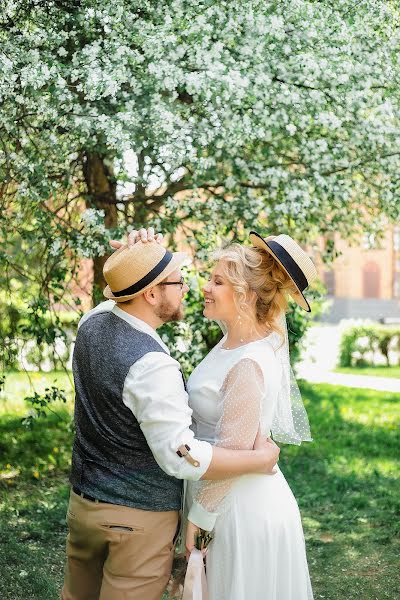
point(240, 329)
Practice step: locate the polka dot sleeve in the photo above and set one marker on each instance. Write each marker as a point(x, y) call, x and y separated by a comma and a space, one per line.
point(241, 395)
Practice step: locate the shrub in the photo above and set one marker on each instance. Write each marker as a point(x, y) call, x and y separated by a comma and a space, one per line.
point(363, 345)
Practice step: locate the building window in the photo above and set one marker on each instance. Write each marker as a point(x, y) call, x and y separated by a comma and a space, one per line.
point(371, 280)
point(329, 281)
point(396, 274)
point(396, 239)
point(396, 285)
point(369, 241)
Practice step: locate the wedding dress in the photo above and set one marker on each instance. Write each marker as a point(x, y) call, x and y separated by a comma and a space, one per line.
point(258, 550)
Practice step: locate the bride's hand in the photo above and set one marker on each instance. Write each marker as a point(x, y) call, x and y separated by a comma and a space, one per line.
point(144, 235)
point(270, 450)
point(191, 532)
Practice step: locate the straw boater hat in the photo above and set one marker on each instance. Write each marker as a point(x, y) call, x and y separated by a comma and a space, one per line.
point(131, 270)
point(293, 259)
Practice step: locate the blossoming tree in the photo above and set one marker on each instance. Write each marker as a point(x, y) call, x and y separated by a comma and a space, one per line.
point(206, 117)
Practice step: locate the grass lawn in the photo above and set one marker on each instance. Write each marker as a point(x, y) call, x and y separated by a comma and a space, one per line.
point(346, 483)
point(377, 371)
point(18, 385)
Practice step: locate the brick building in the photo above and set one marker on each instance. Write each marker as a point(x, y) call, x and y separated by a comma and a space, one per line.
point(364, 282)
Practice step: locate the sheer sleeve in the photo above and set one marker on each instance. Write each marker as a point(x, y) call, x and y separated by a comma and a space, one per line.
point(241, 395)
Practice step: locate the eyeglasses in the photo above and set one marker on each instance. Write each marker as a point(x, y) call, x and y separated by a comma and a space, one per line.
point(180, 282)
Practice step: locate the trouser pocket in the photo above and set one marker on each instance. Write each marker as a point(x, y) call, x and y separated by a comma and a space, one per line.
point(121, 527)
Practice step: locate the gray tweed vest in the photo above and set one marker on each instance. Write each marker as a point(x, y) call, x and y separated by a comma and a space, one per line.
point(111, 459)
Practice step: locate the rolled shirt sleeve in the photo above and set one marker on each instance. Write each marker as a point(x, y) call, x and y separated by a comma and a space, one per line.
point(154, 391)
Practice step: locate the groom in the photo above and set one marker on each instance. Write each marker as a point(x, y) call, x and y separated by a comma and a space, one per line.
point(133, 443)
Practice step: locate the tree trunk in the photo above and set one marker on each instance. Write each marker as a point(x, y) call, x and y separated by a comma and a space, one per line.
point(102, 195)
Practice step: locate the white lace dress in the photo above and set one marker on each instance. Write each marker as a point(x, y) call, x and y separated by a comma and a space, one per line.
point(258, 550)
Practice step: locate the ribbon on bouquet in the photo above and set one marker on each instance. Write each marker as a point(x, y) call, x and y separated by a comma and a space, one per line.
point(195, 586)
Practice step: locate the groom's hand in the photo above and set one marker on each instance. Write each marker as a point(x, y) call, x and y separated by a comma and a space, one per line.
point(144, 235)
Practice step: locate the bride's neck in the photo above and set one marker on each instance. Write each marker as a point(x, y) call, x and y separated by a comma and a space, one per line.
point(243, 333)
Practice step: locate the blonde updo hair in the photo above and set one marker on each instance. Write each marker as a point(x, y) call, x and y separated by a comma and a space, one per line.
point(254, 270)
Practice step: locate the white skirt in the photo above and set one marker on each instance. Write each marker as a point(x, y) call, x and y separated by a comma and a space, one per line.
point(258, 550)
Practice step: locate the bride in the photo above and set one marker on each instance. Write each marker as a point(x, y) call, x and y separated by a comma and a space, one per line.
point(243, 384)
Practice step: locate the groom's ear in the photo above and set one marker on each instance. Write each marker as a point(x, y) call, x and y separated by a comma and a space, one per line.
point(151, 296)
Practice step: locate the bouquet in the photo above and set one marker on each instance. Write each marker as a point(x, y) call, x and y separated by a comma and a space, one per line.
point(202, 540)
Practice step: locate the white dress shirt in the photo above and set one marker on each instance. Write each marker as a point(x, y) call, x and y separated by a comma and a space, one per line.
point(155, 393)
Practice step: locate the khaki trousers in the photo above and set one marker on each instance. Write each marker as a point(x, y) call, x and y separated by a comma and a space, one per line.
point(117, 552)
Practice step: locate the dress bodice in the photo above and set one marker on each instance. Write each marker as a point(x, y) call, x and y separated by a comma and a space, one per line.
point(206, 381)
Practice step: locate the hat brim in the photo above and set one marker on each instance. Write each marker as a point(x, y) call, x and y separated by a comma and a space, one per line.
point(178, 258)
point(260, 242)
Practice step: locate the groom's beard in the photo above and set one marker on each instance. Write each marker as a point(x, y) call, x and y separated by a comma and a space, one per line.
point(167, 312)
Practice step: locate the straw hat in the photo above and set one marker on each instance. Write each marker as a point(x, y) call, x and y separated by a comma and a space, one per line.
point(292, 259)
point(131, 270)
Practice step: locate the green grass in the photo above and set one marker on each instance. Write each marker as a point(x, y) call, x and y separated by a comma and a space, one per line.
point(376, 371)
point(348, 488)
point(21, 384)
point(346, 483)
